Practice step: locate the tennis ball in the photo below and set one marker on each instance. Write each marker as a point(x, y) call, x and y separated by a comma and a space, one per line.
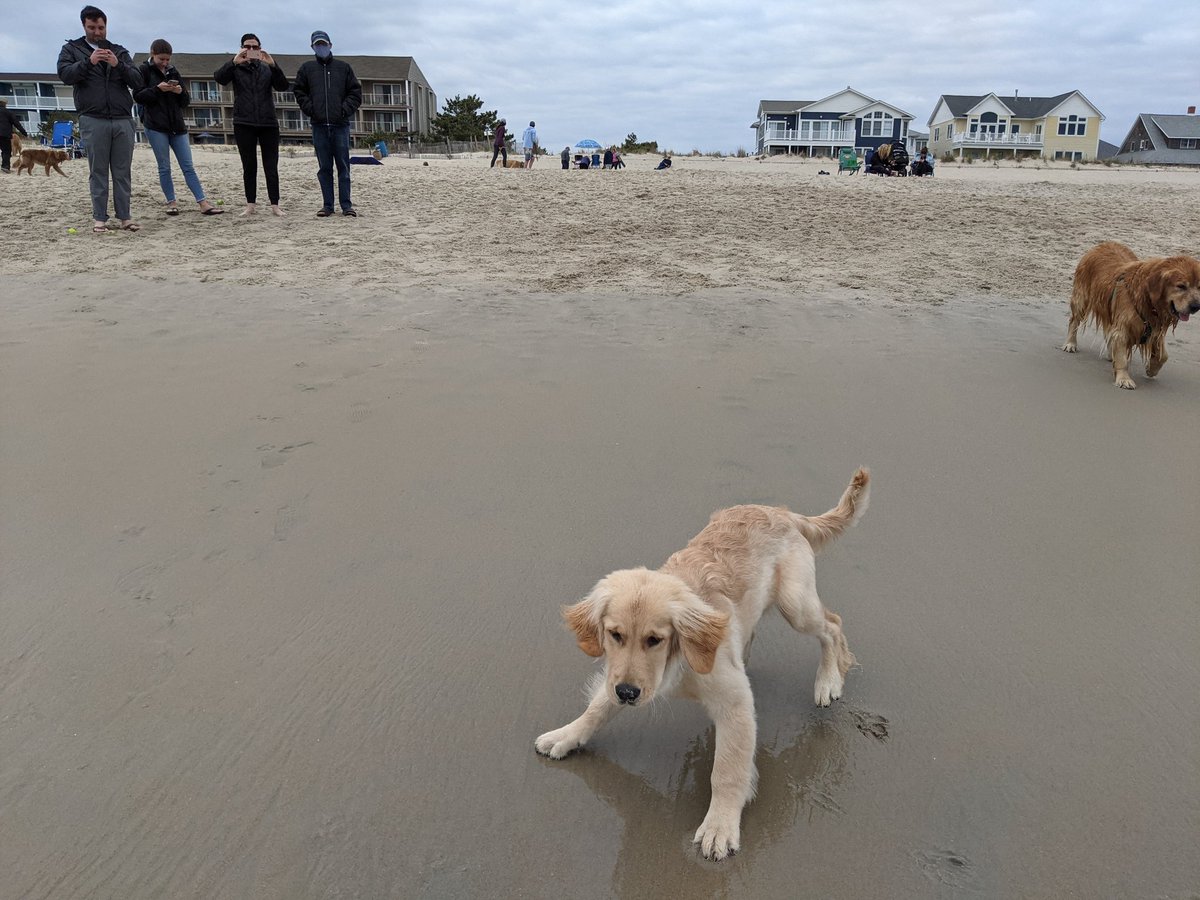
point(72, 231)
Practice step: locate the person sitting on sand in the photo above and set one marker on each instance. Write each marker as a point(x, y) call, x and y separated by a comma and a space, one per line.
point(665, 164)
point(877, 160)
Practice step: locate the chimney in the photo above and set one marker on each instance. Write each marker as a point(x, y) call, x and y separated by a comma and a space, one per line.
point(1191, 110)
point(1016, 94)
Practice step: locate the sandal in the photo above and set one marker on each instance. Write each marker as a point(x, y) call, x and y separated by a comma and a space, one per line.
point(349, 212)
point(99, 229)
point(325, 214)
point(172, 210)
point(212, 211)
point(131, 226)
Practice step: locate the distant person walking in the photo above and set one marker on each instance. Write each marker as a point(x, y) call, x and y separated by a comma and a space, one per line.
point(566, 157)
point(529, 143)
point(255, 76)
point(499, 142)
point(9, 121)
point(102, 76)
point(329, 93)
point(163, 101)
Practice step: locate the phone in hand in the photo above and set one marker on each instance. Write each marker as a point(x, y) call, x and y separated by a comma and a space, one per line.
point(254, 54)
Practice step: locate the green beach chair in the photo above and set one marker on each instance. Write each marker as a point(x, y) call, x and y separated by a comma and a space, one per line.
point(848, 161)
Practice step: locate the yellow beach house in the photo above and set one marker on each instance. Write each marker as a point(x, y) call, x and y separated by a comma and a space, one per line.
point(1066, 126)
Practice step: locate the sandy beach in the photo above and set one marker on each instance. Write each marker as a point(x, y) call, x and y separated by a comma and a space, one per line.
point(288, 508)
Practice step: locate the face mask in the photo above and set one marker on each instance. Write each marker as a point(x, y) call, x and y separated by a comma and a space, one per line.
point(323, 51)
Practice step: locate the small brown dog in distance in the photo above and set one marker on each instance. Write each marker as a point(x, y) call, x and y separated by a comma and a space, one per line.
point(15, 143)
point(1133, 302)
point(686, 628)
point(40, 156)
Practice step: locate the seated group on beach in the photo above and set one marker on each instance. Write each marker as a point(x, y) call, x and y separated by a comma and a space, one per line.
point(106, 83)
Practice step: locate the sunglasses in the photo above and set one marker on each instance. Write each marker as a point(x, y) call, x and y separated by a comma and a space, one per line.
point(251, 47)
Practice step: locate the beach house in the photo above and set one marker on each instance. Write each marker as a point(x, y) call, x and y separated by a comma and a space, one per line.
point(848, 118)
point(1167, 140)
point(1066, 126)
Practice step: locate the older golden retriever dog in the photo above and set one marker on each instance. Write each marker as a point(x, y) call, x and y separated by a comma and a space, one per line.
point(1133, 302)
point(686, 628)
point(41, 156)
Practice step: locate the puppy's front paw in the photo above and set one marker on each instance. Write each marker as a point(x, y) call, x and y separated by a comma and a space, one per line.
point(1124, 381)
point(556, 744)
point(718, 835)
point(828, 689)
point(1069, 346)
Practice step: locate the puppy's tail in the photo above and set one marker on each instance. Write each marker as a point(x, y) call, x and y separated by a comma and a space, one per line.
point(820, 530)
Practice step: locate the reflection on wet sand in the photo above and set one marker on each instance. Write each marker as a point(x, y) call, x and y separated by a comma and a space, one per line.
point(799, 779)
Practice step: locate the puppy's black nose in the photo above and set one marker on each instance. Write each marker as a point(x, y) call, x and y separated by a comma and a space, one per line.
point(627, 693)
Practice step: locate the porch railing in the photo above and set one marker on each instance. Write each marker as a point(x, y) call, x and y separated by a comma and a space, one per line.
point(987, 139)
point(844, 136)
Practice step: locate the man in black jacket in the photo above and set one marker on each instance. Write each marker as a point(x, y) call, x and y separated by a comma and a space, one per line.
point(102, 76)
point(329, 93)
point(9, 121)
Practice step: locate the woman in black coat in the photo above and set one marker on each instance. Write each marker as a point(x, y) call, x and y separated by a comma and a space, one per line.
point(163, 100)
point(255, 75)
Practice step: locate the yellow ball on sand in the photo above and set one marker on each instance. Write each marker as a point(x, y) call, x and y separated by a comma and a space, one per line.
point(72, 231)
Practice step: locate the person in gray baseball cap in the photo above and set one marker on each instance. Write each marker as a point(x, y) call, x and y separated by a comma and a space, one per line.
point(329, 93)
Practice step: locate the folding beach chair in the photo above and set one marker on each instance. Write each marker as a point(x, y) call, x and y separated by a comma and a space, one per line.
point(848, 161)
point(63, 138)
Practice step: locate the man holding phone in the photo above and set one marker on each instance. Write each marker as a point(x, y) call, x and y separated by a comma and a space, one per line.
point(102, 76)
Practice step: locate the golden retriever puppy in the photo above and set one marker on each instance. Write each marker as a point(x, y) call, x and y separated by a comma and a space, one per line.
point(514, 164)
point(15, 144)
point(1133, 302)
point(686, 628)
point(40, 156)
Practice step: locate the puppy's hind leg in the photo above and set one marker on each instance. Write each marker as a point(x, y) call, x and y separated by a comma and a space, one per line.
point(558, 743)
point(801, 606)
point(1077, 317)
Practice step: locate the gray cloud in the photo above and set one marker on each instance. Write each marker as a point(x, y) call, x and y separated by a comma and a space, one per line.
point(690, 73)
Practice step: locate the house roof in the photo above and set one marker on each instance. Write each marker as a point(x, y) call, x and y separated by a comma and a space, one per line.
point(367, 68)
point(856, 112)
point(1021, 107)
point(1176, 126)
point(782, 106)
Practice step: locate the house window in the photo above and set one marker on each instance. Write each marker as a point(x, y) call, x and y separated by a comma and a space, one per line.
point(1141, 145)
point(877, 124)
point(206, 118)
point(1075, 155)
point(205, 91)
point(1073, 126)
point(1187, 144)
point(388, 95)
point(937, 133)
point(1037, 131)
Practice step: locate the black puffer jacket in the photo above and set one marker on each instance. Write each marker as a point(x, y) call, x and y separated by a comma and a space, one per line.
point(253, 81)
point(162, 110)
point(100, 90)
point(328, 91)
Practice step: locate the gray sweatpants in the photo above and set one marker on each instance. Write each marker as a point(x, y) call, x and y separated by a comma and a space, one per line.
point(109, 147)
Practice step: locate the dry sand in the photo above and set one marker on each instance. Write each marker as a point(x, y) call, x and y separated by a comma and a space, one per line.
point(289, 507)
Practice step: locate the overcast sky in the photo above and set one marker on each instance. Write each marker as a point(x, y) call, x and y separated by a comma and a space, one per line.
point(690, 73)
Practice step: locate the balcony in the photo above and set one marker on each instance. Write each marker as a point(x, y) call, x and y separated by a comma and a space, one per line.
point(31, 101)
point(1003, 141)
point(201, 96)
point(817, 137)
point(206, 124)
point(381, 98)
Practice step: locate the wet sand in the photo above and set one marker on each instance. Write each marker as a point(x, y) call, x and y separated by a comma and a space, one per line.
point(282, 570)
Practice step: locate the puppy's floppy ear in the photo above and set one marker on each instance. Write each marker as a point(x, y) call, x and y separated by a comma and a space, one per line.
point(1163, 277)
point(701, 630)
point(584, 619)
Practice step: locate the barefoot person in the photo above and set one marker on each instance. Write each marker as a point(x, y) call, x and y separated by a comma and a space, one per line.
point(102, 75)
point(163, 100)
point(255, 75)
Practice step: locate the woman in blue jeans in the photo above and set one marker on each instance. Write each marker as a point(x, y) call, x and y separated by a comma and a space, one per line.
point(163, 100)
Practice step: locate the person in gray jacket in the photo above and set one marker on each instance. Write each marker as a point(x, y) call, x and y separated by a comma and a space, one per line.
point(102, 76)
point(329, 93)
point(255, 75)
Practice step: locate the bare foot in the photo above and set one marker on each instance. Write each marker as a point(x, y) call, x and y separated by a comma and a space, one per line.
point(275, 210)
point(249, 210)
